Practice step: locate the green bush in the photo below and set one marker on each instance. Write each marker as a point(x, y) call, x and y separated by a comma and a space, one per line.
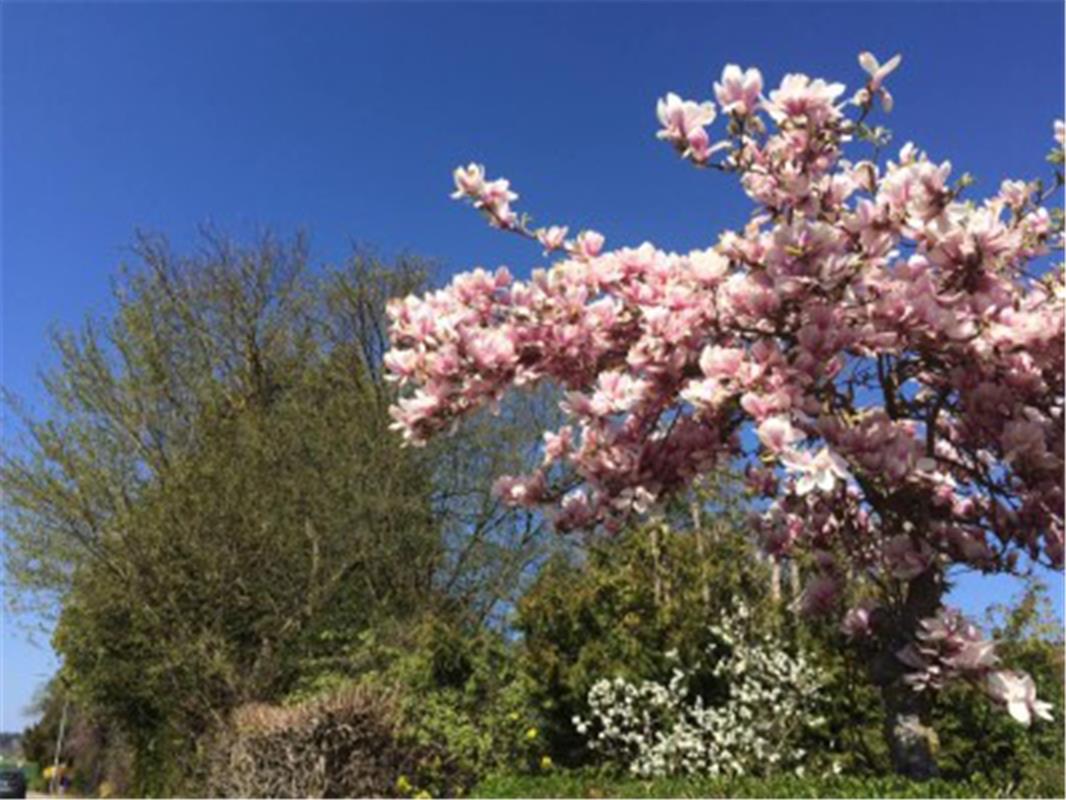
point(455, 687)
point(618, 613)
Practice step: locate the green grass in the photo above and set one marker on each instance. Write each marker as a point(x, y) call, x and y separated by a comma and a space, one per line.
point(588, 784)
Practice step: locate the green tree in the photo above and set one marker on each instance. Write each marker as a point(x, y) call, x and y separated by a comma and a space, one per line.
point(214, 502)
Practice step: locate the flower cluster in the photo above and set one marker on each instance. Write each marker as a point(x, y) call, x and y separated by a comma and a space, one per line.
point(948, 647)
point(685, 126)
point(894, 348)
point(491, 197)
point(653, 729)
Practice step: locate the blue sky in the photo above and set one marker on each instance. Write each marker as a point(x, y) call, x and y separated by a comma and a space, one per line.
point(347, 119)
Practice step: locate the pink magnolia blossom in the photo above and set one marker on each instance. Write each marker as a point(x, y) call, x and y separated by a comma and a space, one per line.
point(400, 365)
point(552, 238)
point(557, 445)
point(1014, 194)
point(617, 392)
point(875, 86)
point(575, 511)
point(877, 71)
point(520, 491)
point(721, 362)
point(820, 472)
point(777, 433)
point(1017, 692)
point(684, 125)
point(469, 180)
point(856, 623)
point(492, 197)
point(739, 90)
point(589, 244)
point(800, 97)
point(706, 393)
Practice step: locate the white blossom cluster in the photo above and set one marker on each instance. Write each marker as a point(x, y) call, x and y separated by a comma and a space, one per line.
point(653, 730)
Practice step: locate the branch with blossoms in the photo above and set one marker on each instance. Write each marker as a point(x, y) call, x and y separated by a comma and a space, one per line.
point(948, 647)
point(493, 199)
point(895, 350)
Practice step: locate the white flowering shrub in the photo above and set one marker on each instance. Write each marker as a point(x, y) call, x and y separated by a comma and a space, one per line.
point(652, 729)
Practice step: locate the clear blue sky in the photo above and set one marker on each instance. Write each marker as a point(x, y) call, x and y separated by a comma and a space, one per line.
point(348, 119)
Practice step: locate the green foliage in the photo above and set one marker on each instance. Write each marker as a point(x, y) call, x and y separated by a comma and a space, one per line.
point(222, 452)
point(591, 784)
point(455, 686)
point(35, 781)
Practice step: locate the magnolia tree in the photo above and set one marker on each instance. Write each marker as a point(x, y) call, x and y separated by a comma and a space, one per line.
point(883, 355)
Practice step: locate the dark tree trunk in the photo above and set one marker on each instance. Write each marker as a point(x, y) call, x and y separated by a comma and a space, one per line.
point(911, 740)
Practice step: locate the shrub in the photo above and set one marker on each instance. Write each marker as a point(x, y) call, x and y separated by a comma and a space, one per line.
point(766, 697)
point(347, 744)
point(454, 688)
point(460, 689)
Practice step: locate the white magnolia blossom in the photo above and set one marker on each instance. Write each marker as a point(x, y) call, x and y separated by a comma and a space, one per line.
point(653, 730)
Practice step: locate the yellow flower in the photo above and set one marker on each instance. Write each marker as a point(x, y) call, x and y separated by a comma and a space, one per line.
point(513, 716)
point(402, 784)
point(545, 762)
point(423, 795)
point(532, 733)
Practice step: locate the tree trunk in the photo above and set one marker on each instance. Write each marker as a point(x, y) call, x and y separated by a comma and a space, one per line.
point(911, 740)
point(775, 581)
point(701, 551)
point(657, 580)
point(793, 580)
